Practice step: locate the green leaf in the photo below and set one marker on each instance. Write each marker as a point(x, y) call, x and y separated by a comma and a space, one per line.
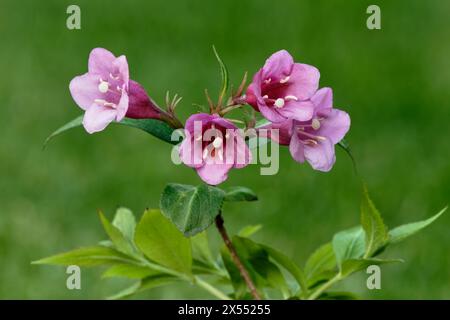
point(87, 256)
point(154, 127)
point(372, 223)
point(145, 284)
point(320, 278)
point(289, 265)
point(354, 265)
point(191, 209)
point(161, 242)
point(248, 231)
point(223, 73)
point(71, 124)
point(348, 244)
point(156, 281)
point(129, 291)
point(116, 236)
point(157, 128)
point(256, 258)
point(322, 260)
point(200, 267)
point(404, 231)
point(240, 289)
point(106, 243)
point(240, 194)
point(338, 295)
point(201, 250)
point(125, 221)
point(130, 271)
point(346, 147)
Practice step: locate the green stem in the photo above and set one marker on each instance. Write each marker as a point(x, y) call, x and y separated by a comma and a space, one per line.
point(162, 269)
point(211, 289)
point(324, 287)
point(196, 280)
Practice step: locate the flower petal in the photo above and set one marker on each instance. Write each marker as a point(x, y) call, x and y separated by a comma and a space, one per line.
point(321, 156)
point(323, 99)
point(202, 118)
point(298, 110)
point(270, 113)
point(97, 117)
point(250, 96)
point(278, 65)
point(303, 81)
point(214, 174)
point(222, 122)
point(122, 106)
point(296, 148)
point(335, 125)
point(121, 65)
point(84, 90)
point(100, 61)
point(191, 153)
point(284, 132)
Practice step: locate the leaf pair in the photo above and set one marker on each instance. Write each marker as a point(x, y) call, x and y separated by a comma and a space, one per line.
point(167, 252)
point(193, 208)
point(354, 249)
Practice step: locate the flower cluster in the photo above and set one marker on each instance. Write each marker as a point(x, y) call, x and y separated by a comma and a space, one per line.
point(284, 92)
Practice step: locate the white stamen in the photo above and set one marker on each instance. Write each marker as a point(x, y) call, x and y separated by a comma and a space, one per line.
point(227, 135)
point(265, 96)
point(279, 103)
point(220, 152)
point(284, 80)
point(104, 103)
point(100, 101)
point(103, 86)
point(288, 98)
point(310, 142)
point(320, 138)
point(267, 81)
point(315, 124)
point(217, 143)
point(198, 138)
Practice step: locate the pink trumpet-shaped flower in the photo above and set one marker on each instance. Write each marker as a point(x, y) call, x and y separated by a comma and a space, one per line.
point(107, 94)
point(282, 89)
point(212, 146)
point(314, 140)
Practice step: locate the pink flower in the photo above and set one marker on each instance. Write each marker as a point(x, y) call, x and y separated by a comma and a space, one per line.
point(213, 145)
point(107, 94)
point(314, 140)
point(281, 89)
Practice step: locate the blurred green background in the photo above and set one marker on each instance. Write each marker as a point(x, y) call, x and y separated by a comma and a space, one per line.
point(394, 83)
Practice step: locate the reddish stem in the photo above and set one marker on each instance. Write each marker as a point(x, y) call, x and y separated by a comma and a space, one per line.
point(244, 273)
